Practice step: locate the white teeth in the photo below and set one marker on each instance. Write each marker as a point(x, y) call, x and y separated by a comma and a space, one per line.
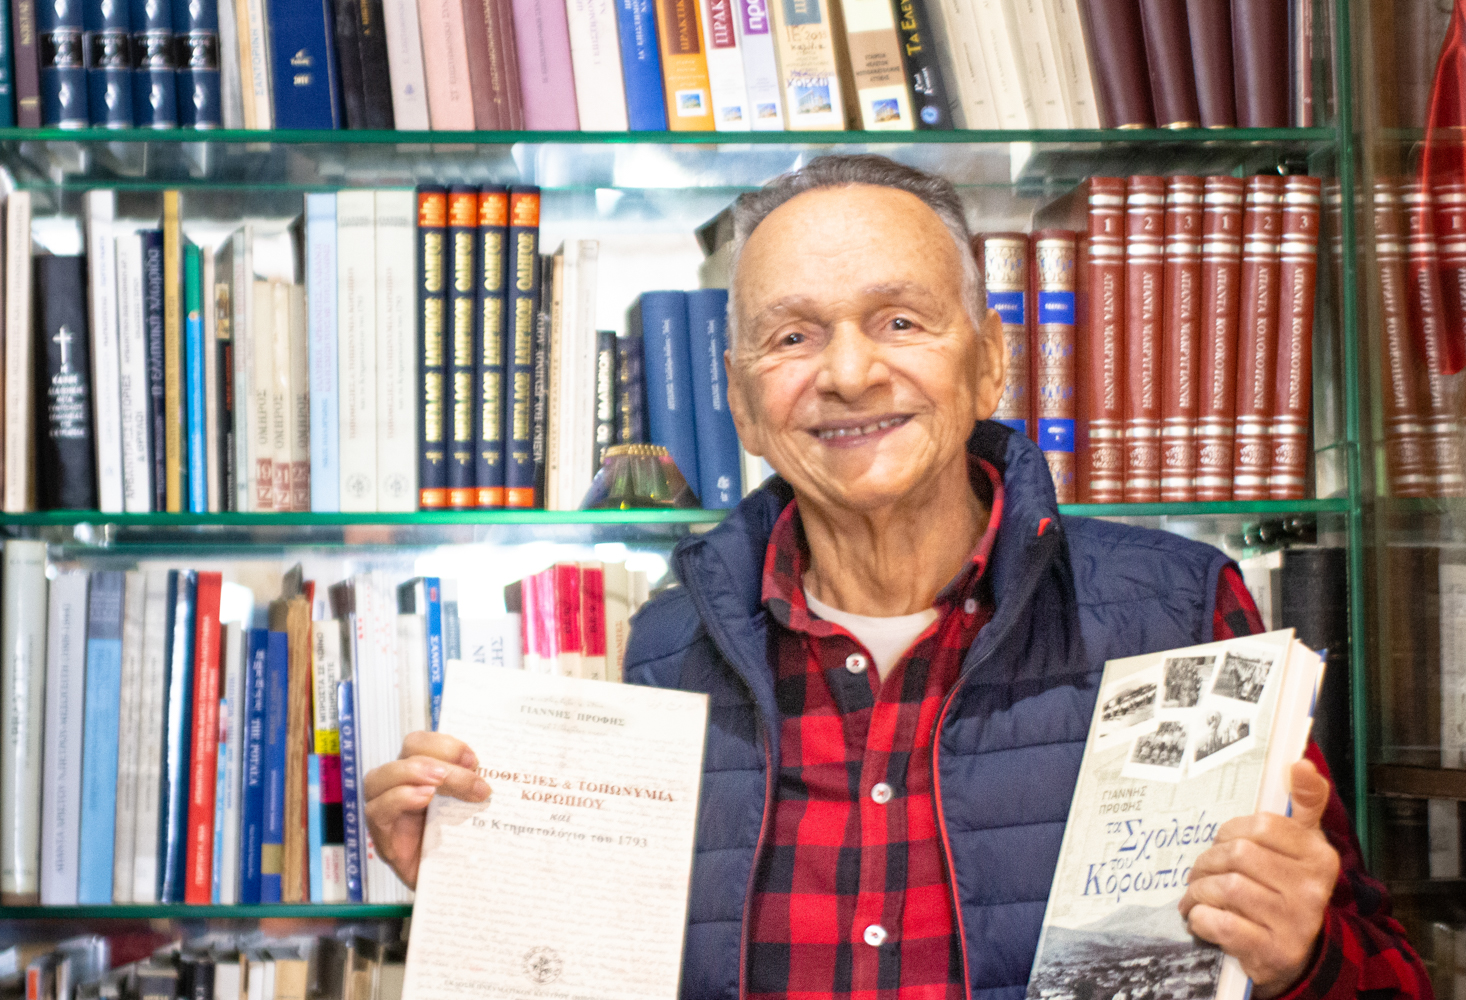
point(840, 432)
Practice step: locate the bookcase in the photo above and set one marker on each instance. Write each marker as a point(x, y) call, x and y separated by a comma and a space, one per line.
point(629, 183)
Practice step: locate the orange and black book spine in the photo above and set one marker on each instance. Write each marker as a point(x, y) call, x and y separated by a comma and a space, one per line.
point(1055, 268)
point(1180, 337)
point(460, 365)
point(432, 234)
point(1221, 291)
point(1293, 388)
point(1407, 467)
point(1145, 220)
point(1100, 347)
point(1257, 337)
point(523, 317)
point(493, 262)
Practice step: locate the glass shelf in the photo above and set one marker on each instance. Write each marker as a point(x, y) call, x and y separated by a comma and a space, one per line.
point(179, 911)
point(1417, 782)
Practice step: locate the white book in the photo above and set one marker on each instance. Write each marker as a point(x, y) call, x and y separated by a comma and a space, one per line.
point(1037, 49)
point(356, 215)
point(333, 874)
point(1074, 65)
point(242, 331)
point(229, 973)
point(212, 458)
point(1452, 574)
point(995, 32)
point(101, 212)
point(491, 642)
point(595, 58)
point(639, 588)
point(257, 73)
point(281, 393)
point(230, 786)
point(405, 66)
point(582, 468)
point(412, 679)
point(618, 619)
point(20, 459)
point(261, 385)
point(129, 736)
point(396, 367)
point(150, 746)
point(561, 361)
point(66, 657)
point(231, 79)
point(298, 400)
point(954, 28)
point(1443, 830)
point(23, 591)
point(132, 374)
point(326, 674)
point(760, 65)
point(725, 66)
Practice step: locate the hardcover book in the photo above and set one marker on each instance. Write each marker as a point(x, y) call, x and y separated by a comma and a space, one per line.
point(196, 48)
point(432, 233)
point(154, 84)
point(1180, 333)
point(63, 71)
point(1145, 211)
point(107, 44)
point(1004, 260)
point(1406, 464)
point(66, 460)
point(1257, 337)
point(1181, 741)
point(1055, 266)
point(1221, 266)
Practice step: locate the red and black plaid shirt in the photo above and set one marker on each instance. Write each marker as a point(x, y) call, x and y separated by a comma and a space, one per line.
point(852, 898)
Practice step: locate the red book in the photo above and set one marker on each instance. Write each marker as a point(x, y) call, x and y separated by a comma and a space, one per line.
point(1004, 261)
point(547, 639)
point(1257, 337)
point(570, 642)
point(1428, 318)
point(1407, 468)
point(1145, 220)
point(204, 758)
point(1221, 287)
point(1180, 337)
point(1293, 388)
point(593, 621)
point(1054, 252)
point(1100, 347)
point(1449, 203)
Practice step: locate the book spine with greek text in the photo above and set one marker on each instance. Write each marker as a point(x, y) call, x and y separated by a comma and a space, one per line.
point(725, 66)
point(1257, 335)
point(523, 325)
point(1407, 467)
point(1293, 390)
point(1221, 290)
point(1004, 258)
point(641, 65)
point(1181, 333)
point(432, 234)
point(460, 365)
point(684, 66)
point(490, 320)
point(396, 358)
point(1145, 212)
point(1056, 268)
point(320, 285)
point(881, 92)
point(809, 68)
point(1428, 320)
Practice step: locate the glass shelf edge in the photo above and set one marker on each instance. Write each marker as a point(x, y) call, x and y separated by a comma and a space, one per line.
point(181, 911)
point(1327, 505)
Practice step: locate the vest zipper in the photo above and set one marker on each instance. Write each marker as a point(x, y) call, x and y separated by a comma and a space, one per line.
point(758, 848)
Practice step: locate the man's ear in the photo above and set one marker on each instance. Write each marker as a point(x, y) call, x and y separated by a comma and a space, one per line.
point(991, 360)
point(748, 430)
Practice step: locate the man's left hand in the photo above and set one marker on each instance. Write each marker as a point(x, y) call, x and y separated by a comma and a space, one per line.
point(1261, 889)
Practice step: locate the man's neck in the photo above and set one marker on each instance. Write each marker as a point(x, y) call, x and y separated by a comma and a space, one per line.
point(896, 560)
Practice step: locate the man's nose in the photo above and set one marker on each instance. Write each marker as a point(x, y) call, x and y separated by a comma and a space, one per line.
point(852, 362)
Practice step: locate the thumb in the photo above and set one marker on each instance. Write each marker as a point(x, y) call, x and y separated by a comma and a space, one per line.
point(1310, 793)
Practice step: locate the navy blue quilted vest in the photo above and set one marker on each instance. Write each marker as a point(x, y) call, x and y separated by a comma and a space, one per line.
point(1071, 593)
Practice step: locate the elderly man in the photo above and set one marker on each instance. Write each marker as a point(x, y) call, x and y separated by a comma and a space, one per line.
point(902, 639)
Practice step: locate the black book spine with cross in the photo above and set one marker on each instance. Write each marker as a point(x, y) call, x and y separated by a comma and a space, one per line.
point(65, 453)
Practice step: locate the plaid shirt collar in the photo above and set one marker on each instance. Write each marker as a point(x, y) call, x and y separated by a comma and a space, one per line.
point(787, 558)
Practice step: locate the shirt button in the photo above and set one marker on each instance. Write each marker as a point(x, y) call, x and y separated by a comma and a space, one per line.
point(856, 663)
point(881, 793)
point(875, 935)
point(970, 606)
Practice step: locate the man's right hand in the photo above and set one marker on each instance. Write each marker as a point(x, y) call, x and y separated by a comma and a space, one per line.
point(397, 795)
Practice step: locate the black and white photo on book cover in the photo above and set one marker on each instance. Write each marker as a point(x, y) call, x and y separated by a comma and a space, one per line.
point(1181, 741)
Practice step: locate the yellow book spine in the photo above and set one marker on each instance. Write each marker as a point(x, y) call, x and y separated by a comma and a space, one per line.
point(173, 454)
point(684, 66)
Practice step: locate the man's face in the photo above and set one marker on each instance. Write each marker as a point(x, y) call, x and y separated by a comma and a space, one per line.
point(856, 370)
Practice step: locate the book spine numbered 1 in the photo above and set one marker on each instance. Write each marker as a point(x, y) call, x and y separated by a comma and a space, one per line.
point(1257, 337)
point(1005, 267)
point(1101, 443)
point(1145, 201)
point(1221, 267)
point(432, 233)
point(1293, 391)
point(460, 368)
point(490, 320)
point(524, 306)
point(1181, 280)
point(1054, 253)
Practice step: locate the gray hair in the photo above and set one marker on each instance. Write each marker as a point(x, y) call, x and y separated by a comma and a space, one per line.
point(844, 170)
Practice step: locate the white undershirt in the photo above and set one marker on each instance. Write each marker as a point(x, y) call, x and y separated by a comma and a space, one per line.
point(887, 639)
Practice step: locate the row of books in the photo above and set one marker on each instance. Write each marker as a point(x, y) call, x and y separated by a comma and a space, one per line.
point(432, 358)
point(180, 746)
point(730, 65)
point(1166, 352)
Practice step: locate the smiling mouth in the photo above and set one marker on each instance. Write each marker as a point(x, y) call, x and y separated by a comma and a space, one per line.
point(860, 431)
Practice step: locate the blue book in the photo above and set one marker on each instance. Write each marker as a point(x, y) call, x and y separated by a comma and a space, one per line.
point(320, 296)
point(108, 45)
point(252, 803)
point(350, 796)
point(277, 696)
point(641, 66)
point(669, 404)
point(99, 740)
point(196, 47)
point(314, 825)
point(7, 73)
point(154, 89)
point(63, 71)
point(177, 739)
point(193, 356)
point(720, 482)
point(434, 590)
point(303, 65)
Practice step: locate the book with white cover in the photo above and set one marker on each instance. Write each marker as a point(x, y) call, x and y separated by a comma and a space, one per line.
point(237, 253)
point(356, 309)
point(150, 746)
point(595, 58)
point(721, 45)
point(1180, 742)
point(20, 458)
point(231, 79)
point(101, 212)
point(959, 51)
point(412, 679)
point(129, 736)
point(1004, 63)
point(229, 785)
point(257, 73)
point(581, 469)
point(297, 417)
point(132, 373)
point(1038, 53)
point(396, 359)
point(1452, 573)
point(405, 66)
point(320, 285)
point(1074, 64)
point(491, 642)
point(66, 654)
point(281, 393)
point(261, 385)
point(23, 591)
point(760, 65)
point(881, 89)
point(618, 619)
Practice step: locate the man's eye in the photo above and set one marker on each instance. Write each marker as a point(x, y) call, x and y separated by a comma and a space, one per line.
point(791, 339)
point(902, 323)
